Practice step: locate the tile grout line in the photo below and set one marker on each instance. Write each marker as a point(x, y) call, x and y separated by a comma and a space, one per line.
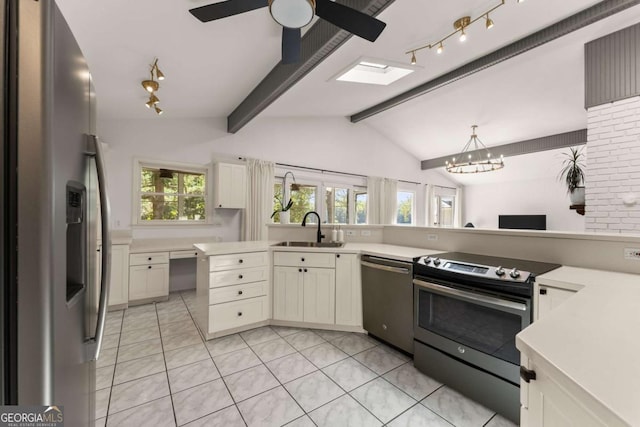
point(106, 416)
point(166, 371)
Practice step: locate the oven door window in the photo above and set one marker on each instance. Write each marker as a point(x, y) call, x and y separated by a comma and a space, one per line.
point(485, 329)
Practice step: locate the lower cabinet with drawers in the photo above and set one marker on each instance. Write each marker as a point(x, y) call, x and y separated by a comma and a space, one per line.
point(148, 276)
point(233, 292)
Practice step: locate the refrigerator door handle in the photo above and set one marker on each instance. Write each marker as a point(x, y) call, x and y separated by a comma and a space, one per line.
point(94, 343)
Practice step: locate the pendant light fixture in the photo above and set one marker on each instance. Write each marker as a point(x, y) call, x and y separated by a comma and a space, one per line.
point(474, 158)
point(152, 86)
point(460, 27)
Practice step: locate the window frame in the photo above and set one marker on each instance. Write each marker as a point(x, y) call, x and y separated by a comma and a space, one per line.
point(436, 205)
point(321, 189)
point(140, 163)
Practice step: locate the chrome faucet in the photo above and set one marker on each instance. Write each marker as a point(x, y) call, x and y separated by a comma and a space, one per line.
point(304, 224)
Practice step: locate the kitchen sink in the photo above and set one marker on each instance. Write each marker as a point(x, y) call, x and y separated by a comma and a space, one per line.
point(311, 244)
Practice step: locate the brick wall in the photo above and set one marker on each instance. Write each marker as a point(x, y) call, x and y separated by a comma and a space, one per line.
point(613, 167)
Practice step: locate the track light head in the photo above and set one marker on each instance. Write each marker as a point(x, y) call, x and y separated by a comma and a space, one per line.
point(489, 23)
point(440, 49)
point(150, 85)
point(413, 58)
point(154, 99)
point(149, 103)
point(159, 74)
point(159, 111)
point(463, 35)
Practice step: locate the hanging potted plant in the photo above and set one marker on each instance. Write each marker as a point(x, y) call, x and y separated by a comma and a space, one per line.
point(572, 174)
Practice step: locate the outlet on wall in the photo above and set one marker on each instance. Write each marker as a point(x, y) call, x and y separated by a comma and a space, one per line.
point(432, 237)
point(632, 253)
point(365, 232)
point(351, 232)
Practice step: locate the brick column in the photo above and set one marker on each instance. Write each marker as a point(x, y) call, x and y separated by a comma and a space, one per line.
point(613, 167)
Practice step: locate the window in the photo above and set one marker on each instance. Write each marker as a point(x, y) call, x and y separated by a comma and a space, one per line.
point(361, 207)
point(337, 205)
point(171, 195)
point(277, 202)
point(443, 211)
point(405, 208)
point(304, 200)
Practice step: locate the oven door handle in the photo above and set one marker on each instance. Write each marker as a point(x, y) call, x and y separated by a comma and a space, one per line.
point(471, 296)
point(385, 267)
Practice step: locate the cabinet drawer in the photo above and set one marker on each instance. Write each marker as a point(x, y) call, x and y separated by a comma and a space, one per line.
point(241, 260)
point(237, 292)
point(304, 259)
point(149, 258)
point(238, 313)
point(192, 253)
point(235, 277)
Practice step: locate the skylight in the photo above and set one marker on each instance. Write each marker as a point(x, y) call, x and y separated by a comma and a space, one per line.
point(374, 71)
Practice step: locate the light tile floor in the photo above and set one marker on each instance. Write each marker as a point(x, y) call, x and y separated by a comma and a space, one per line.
point(155, 370)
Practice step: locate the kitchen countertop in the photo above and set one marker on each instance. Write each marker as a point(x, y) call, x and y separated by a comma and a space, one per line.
point(166, 245)
point(221, 248)
point(592, 338)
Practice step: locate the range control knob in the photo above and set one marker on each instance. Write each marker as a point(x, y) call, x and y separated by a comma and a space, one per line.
point(514, 273)
point(427, 260)
point(500, 271)
point(436, 262)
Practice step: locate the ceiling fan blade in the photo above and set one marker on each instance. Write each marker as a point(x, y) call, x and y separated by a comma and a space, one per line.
point(226, 8)
point(349, 19)
point(291, 44)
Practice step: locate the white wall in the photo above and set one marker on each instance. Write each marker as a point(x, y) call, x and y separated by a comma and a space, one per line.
point(326, 143)
point(613, 173)
point(528, 185)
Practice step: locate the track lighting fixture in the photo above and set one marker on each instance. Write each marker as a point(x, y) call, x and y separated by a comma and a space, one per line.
point(152, 86)
point(460, 26)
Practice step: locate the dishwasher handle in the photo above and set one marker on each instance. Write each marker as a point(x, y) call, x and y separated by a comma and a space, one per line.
point(399, 270)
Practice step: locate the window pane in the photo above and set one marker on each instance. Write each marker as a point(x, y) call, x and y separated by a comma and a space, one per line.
point(337, 203)
point(361, 208)
point(277, 202)
point(304, 200)
point(172, 195)
point(446, 211)
point(405, 207)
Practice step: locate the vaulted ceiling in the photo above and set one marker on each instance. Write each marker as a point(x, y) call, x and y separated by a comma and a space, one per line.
point(212, 67)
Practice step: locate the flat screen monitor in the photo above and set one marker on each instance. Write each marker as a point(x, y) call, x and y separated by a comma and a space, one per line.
point(523, 222)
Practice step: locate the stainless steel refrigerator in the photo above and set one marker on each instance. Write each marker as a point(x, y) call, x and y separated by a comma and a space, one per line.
point(54, 215)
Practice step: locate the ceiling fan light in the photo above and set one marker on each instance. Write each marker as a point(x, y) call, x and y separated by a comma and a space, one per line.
point(292, 13)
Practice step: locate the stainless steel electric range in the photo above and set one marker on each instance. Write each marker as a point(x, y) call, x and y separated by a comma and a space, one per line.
point(468, 310)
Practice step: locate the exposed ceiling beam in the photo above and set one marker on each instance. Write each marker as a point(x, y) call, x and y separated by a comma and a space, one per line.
point(579, 20)
point(318, 43)
point(551, 142)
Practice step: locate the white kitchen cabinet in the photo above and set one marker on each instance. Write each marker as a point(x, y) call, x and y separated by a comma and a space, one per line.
point(288, 299)
point(551, 404)
point(230, 185)
point(148, 275)
point(119, 289)
point(348, 290)
point(232, 292)
point(304, 287)
point(549, 297)
point(319, 295)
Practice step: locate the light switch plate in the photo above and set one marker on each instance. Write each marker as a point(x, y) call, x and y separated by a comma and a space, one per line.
point(632, 253)
point(351, 232)
point(365, 232)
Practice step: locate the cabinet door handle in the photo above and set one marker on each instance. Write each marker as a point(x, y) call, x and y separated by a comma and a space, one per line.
point(305, 270)
point(219, 206)
point(239, 292)
point(302, 259)
point(337, 255)
point(149, 258)
point(239, 313)
point(527, 374)
point(543, 291)
point(240, 261)
point(240, 276)
point(149, 267)
point(299, 270)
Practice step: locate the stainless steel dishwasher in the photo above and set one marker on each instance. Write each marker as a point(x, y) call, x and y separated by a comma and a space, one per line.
point(387, 300)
